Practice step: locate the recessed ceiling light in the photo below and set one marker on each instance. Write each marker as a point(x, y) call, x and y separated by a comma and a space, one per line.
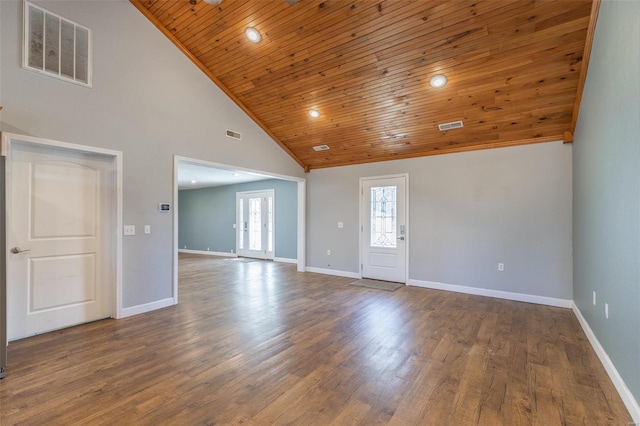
point(193, 181)
point(213, 2)
point(314, 113)
point(253, 35)
point(438, 80)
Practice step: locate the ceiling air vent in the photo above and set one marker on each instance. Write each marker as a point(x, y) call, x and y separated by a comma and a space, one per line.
point(234, 135)
point(321, 147)
point(449, 126)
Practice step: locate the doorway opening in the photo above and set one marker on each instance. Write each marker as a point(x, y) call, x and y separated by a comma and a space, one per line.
point(202, 226)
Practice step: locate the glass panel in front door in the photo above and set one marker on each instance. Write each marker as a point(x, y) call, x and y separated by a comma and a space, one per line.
point(241, 224)
point(269, 224)
point(255, 224)
point(383, 216)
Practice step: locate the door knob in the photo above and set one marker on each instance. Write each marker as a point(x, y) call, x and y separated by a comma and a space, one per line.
point(17, 250)
point(401, 238)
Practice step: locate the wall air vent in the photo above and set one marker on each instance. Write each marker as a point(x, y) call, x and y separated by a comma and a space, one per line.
point(234, 135)
point(56, 46)
point(321, 147)
point(450, 126)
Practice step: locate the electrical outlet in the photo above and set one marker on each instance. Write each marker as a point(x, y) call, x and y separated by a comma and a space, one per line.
point(606, 310)
point(340, 224)
point(207, 248)
point(594, 298)
point(501, 267)
point(328, 252)
point(129, 230)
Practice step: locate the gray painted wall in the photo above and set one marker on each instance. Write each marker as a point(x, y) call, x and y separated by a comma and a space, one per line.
point(606, 175)
point(467, 212)
point(206, 217)
point(148, 101)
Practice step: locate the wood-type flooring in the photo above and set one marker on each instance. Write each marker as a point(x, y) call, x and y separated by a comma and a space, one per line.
point(258, 344)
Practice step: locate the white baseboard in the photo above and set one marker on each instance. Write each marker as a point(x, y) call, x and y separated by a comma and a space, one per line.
point(520, 297)
point(225, 254)
point(626, 395)
point(335, 272)
point(147, 307)
point(210, 253)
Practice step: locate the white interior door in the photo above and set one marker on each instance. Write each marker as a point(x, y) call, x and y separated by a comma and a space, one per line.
point(58, 250)
point(254, 225)
point(384, 228)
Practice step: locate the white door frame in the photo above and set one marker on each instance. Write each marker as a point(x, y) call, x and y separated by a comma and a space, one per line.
point(115, 231)
point(302, 194)
point(364, 211)
point(271, 193)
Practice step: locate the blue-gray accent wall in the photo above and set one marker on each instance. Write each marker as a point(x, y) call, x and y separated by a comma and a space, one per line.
point(606, 189)
point(206, 217)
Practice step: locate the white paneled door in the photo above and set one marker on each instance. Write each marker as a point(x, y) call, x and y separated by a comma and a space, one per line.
point(384, 228)
point(254, 224)
point(58, 250)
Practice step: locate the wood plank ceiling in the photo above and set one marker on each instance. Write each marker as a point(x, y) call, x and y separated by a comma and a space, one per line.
point(515, 70)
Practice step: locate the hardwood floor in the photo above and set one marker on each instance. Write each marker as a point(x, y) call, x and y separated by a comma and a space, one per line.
point(259, 343)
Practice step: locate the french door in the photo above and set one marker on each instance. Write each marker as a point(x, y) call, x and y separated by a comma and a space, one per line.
point(254, 224)
point(384, 228)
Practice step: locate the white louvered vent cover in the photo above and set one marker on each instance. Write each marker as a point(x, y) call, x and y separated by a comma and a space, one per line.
point(321, 147)
point(449, 126)
point(56, 46)
point(234, 135)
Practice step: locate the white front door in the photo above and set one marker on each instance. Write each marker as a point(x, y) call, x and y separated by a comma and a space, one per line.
point(254, 224)
point(58, 268)
point(384, 228)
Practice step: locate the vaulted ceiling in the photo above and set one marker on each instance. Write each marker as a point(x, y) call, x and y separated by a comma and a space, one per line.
point(515, 70)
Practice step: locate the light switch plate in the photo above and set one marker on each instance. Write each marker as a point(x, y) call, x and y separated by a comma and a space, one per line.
point(129, 230)
point(340, 224)
point(147, 229)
